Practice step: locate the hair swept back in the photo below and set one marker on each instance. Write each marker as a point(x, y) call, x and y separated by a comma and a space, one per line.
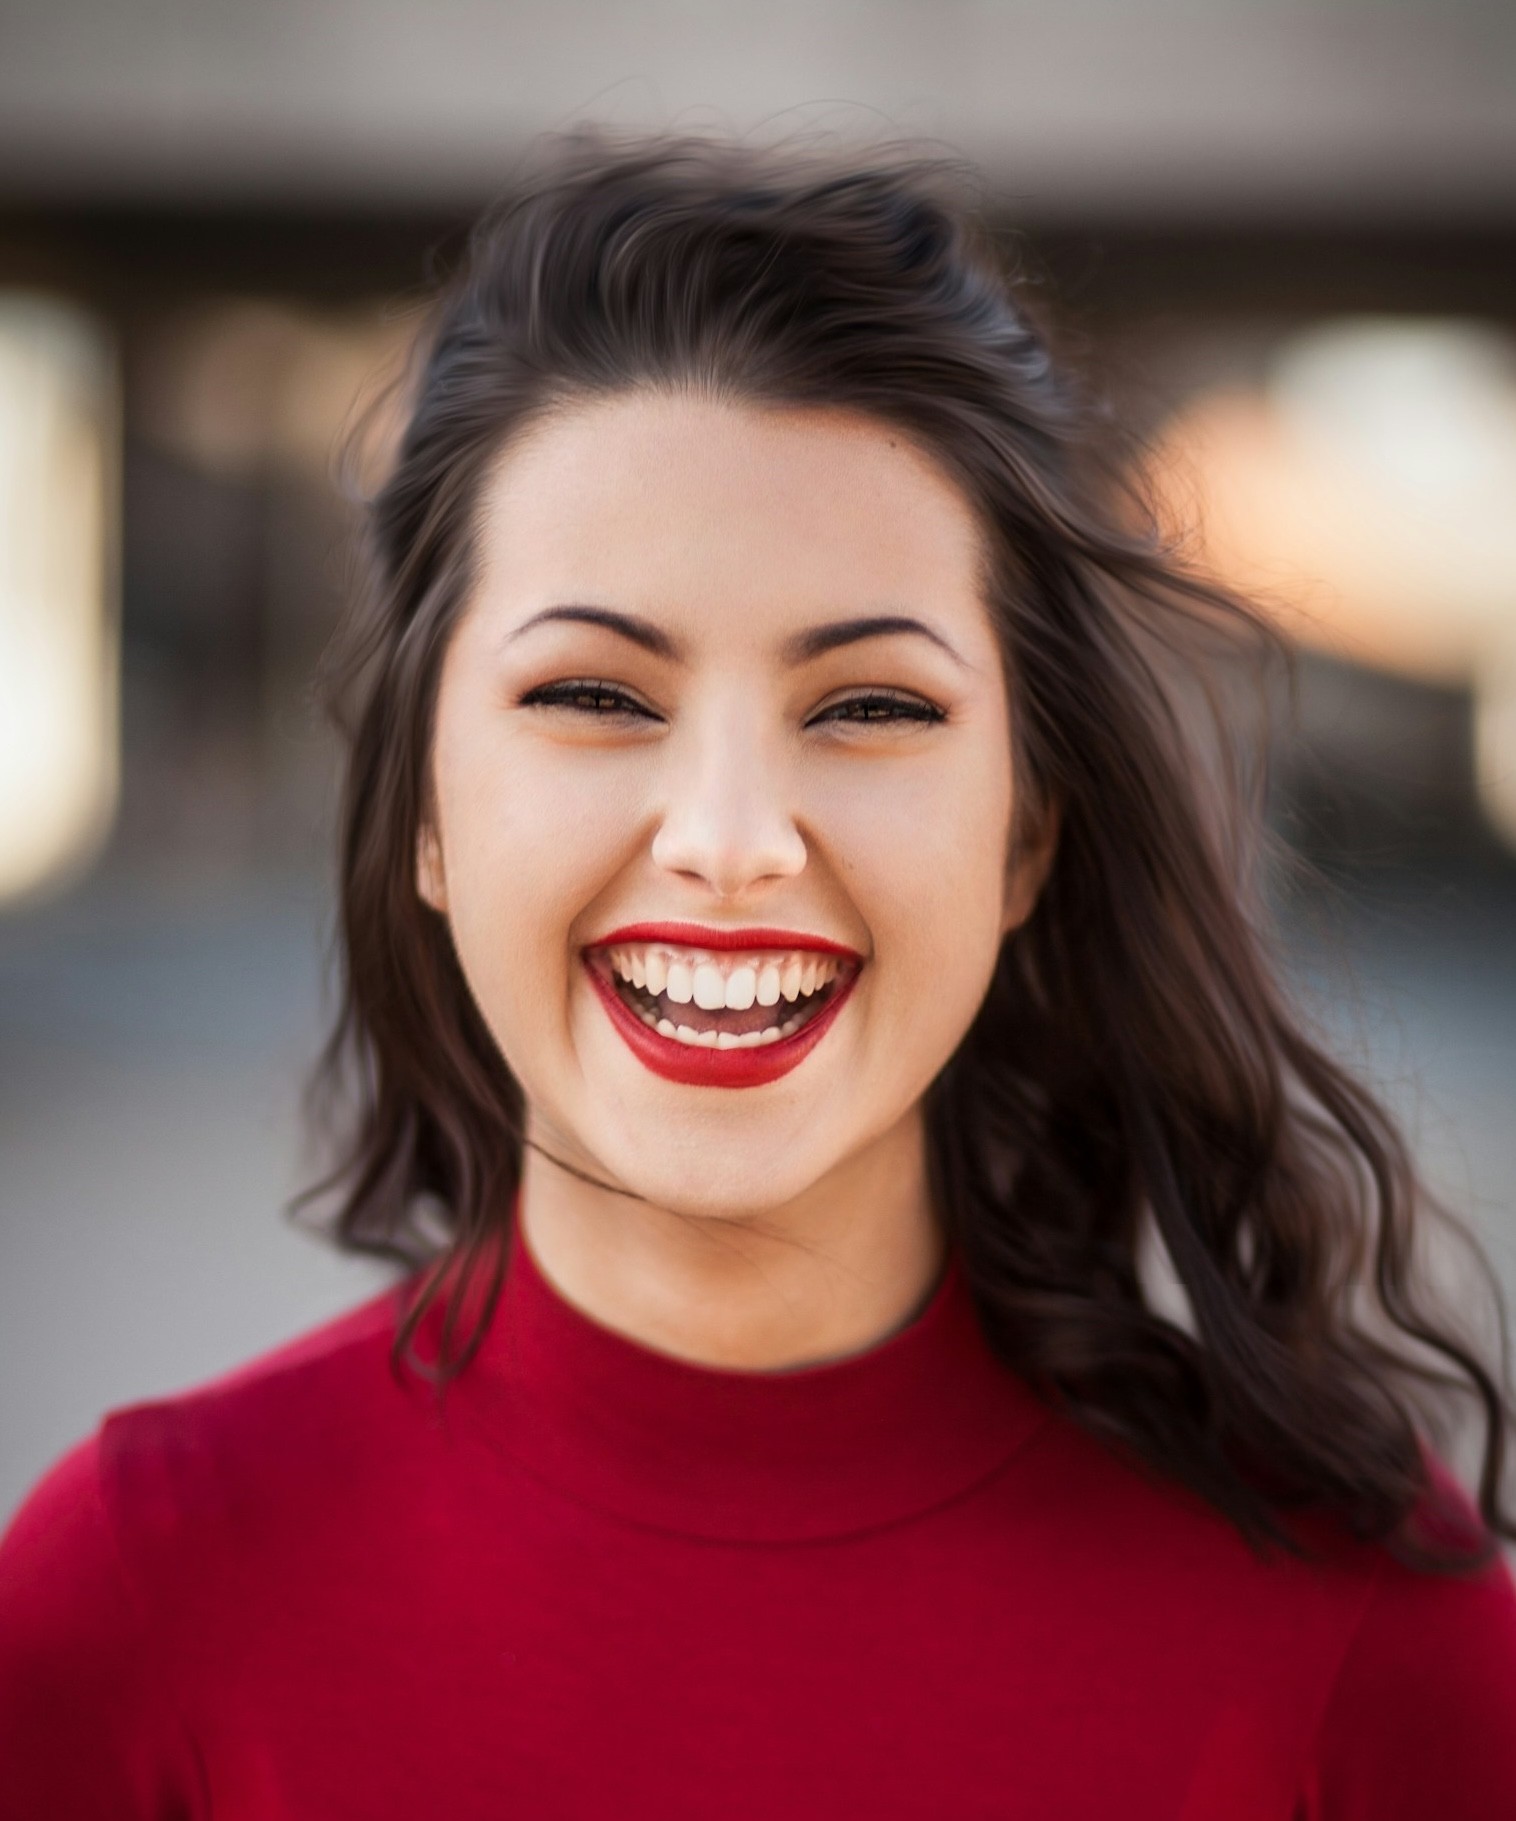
point(1135, 1075)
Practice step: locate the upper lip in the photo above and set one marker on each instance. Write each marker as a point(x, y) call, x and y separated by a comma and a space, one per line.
point(699, 935)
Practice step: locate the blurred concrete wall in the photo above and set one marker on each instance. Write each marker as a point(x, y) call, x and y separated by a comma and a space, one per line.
point(1306, 106)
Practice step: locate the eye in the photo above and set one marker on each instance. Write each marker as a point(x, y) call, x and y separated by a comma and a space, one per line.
point(604, 701)
point(607, 702)
point(879, 705)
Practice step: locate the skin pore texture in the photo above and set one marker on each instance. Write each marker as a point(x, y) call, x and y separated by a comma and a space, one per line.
point(785, 1224)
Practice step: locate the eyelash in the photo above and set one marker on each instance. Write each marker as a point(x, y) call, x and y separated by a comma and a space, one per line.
point(557, 695)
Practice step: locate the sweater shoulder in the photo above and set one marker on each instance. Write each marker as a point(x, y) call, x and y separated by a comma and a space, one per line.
point(166, 1487)
point(1403, 1678)
point(90, 1720)
point(363, 1330)
point(1421, 1717)
point(158, 1528)
point(311, 1401)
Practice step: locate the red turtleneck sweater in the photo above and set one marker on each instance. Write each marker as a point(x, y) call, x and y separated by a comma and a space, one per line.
point(603, 1581)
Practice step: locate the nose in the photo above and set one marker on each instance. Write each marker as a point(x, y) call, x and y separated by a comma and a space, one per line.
point(728, 821)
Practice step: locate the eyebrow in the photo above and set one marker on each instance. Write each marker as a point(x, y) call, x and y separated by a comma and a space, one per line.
point(800, 648)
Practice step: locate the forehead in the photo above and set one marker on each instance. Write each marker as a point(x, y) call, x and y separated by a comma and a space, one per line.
point(668, 501)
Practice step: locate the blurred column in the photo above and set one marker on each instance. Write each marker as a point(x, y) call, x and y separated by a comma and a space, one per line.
point(59, 610)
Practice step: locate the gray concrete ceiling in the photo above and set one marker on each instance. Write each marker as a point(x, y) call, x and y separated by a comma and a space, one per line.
point(1390, 109)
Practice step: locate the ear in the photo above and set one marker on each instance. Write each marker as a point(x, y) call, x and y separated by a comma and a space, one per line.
point(1027, 870)
point(431, 882)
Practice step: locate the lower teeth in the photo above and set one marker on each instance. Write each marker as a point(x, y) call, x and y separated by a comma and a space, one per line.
point(718, 1040)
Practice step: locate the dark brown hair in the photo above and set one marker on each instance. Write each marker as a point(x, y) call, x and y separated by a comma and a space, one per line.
point(1135, 1073)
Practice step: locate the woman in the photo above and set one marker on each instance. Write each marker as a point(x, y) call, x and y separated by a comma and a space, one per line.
point(800, 951)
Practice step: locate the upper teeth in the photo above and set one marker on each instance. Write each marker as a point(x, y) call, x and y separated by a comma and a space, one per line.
point(733, 980)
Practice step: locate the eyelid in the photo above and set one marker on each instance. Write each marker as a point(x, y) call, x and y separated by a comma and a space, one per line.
point(583, 686)
point(871, 692)
point(934, 713)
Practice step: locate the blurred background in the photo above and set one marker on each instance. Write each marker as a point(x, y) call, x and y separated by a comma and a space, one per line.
point(1282, 233)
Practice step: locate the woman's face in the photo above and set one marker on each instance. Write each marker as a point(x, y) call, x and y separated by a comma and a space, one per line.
point(693, 760)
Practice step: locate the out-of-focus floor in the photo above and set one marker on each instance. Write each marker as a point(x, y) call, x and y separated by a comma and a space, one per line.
point(154, 1039)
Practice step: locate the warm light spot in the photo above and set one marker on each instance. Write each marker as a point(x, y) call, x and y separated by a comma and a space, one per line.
point(1366, 495)
point(59, 658)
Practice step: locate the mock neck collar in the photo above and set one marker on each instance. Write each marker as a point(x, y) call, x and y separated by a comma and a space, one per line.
point(742, 1456)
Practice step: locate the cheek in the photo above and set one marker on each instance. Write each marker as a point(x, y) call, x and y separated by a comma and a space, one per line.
point(523, 824)
point(926, 868)
point(924, 841)
point(526, 851)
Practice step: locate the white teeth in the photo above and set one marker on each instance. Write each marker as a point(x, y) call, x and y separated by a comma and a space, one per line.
point(701, 979)
point(710, 988)
point(723, 1040)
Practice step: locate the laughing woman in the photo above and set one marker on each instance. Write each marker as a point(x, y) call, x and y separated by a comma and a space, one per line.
point(802, 969)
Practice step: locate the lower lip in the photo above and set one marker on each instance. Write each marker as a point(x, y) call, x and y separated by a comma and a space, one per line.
point(701, 1067)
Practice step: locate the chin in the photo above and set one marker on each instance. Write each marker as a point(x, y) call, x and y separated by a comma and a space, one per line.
point(727, 1188)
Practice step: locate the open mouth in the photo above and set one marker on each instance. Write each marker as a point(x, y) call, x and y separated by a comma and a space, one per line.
point(722, 1001)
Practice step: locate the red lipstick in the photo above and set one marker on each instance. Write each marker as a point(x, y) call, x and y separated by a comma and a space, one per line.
point(700, 1066)
point(699, 935)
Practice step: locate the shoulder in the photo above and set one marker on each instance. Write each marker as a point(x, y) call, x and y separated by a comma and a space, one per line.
point(1396, 1684)
point(58, 1558)
point(1421, 1715)
point(160, 1473)
point(281, 1403)
point(177, 1520)
point(287, 1430)
point(1403, 1678)
point(162, 1521)
point(89, 1719)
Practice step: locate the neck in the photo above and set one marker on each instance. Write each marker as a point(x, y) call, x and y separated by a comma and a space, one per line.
point(830, 1273)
